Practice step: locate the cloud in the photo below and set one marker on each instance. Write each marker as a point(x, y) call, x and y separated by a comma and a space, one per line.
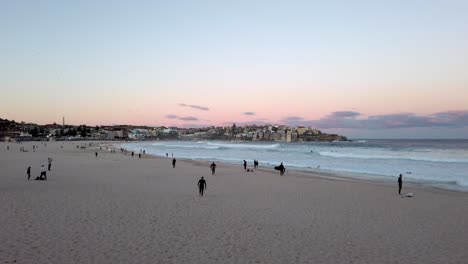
point(249, 113)
point(349, 119)
point(183, 118)
point(203, 108)
point(172, 116)
point(345, 114)
point(188, 118)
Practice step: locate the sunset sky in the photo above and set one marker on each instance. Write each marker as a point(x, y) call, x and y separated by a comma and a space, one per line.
point(365, 69)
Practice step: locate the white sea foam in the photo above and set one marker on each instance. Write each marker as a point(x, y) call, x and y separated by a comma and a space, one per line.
point(437, 163)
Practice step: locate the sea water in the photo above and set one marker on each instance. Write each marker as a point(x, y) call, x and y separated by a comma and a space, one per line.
point(441, 163)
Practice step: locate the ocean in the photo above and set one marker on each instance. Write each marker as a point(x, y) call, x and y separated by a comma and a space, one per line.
point(438, 163)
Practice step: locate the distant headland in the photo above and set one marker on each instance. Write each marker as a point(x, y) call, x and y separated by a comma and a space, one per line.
point(12, 130)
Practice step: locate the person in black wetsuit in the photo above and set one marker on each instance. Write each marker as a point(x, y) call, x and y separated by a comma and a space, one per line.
point(201, 186)
point(282, 169)
point(29, 172)
point(173, 162)
point(245, 165)
point(400, 184)
point(213, 168)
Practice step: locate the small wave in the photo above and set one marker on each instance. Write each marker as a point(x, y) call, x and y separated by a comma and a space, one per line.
point(243, 146)
point(366, 156)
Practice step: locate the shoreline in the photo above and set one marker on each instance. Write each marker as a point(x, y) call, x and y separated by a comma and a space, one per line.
point(380, 180)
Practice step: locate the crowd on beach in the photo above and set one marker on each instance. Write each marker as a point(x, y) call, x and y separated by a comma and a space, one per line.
point(201, 183)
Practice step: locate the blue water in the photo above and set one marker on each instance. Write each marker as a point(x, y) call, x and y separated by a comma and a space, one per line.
point(441, 163)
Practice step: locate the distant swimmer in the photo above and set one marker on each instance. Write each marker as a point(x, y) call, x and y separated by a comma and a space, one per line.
point(173, 162)
point(400, 184)
point(213, 168)
point(201, 186)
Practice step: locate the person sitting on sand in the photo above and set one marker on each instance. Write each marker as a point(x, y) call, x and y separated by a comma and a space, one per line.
point(201, 186)
point(213, 167)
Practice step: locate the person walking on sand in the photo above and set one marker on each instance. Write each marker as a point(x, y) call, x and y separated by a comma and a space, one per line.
point(400, 184)
point(281, 168)
point(29, 172)
point(173, 162)
point(213, 168)
point(49, 161)
point(43, 175)
point(139, 155)
point(201, 186)
point(95, 153)
point(245, 165)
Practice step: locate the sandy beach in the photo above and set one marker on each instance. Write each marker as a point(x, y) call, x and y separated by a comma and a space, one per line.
point(117, 209)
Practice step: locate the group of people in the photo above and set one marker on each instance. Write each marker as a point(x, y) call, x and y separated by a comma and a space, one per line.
point(43, 175)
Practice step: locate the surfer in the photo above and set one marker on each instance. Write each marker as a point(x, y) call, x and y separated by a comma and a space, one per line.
point(281, 168)
point(201, 186)
point(213, 168)
point(400, 184)
point(245, 165)
point(173, 162)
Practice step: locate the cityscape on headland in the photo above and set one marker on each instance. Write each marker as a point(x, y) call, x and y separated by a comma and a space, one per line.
point(13, 131)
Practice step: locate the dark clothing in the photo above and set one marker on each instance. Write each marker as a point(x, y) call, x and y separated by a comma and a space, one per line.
point(245, 165)
point(43, 176)
point(139, 156)
point(213, 168)
point(173, 163)
point(29, 172)
point(201, 186)
point(48, 167)
point(282, 169)
point(400, 184)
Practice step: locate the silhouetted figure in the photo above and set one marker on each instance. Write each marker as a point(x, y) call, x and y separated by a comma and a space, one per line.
point(139, 155)
point(201, 186)
point(144, 152)
point(400, 184)
point(167, 155)
point(43, 175)
point(245, 165)
point(133, 154)
point(49, 161)
point(281, 168)
point(213, 168)
point(95, 153)
point(173, 162)
point(255, 164)
point(8, 147)
point(29, 172)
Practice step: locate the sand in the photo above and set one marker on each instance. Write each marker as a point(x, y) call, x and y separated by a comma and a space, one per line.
point(118, 209)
